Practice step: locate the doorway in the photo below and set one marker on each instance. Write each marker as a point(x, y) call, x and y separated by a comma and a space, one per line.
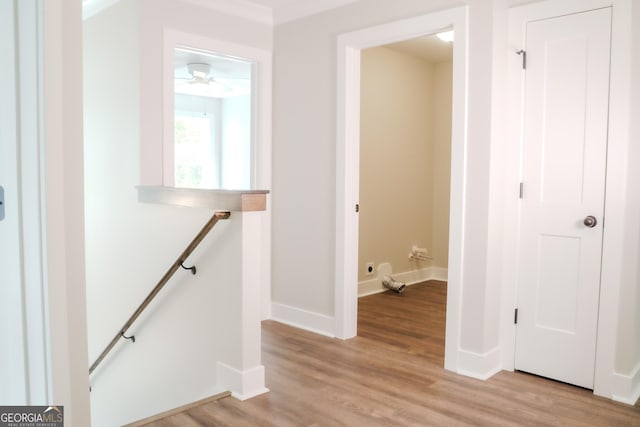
point(405, 162)
point(347, 165)
point(405, 146)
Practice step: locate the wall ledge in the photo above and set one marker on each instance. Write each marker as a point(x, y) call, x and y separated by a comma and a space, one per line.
point(227, 200)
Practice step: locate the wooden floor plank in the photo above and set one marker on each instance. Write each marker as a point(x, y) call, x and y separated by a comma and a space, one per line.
point(392, 375)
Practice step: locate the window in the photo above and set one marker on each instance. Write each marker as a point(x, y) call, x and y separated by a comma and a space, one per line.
point(213, 121)
point(193, 152)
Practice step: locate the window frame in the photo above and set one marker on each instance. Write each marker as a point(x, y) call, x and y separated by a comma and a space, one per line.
point(260, 168)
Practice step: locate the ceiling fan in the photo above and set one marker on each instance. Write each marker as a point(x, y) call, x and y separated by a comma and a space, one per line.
point(201, 83)
point(199, 75)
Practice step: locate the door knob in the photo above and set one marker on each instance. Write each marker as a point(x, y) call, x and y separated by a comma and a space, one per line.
point(590, 221)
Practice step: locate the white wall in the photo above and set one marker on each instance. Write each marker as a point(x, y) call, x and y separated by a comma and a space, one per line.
point(197, 322)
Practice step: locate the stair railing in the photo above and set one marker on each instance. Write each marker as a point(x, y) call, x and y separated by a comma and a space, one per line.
point(218, 215)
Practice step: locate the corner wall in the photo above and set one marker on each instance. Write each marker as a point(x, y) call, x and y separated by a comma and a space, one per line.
point(64, 213)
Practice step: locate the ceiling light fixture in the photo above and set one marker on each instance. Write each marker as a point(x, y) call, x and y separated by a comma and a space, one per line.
point(199, 71)
point(446, 36)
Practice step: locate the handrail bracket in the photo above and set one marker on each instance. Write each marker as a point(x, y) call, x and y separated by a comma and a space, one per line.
point(192, 268)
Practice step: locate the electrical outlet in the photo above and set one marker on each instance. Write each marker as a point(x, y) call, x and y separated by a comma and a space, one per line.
point(369, 268)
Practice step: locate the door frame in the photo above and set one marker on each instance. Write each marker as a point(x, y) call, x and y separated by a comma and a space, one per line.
point(606, 382)
point(25, 299)
point(347, 164)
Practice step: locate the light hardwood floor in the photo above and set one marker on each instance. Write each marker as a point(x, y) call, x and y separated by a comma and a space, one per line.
point(392, 375)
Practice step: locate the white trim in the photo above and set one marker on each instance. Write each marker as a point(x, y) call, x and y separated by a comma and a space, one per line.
point(243, 385)
point(14, 368)
point(616, 180)
point(626, 388)
point(374, 286)
point(64, 210)
point(479, 366)
point(347, 164)
point(303, 319)
point(32, 196)
point(614, 234)
point(261, 113)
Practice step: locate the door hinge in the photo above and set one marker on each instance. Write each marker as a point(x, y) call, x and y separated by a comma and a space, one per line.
point(515, 316)
point(524, 58)
point(1, 203)
point(357, 207)
point(521, 190)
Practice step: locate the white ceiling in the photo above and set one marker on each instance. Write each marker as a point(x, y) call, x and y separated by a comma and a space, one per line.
point(430, 48)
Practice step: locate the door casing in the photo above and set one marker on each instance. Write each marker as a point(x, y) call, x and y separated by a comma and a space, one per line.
point(24, 280)
point(347, 167)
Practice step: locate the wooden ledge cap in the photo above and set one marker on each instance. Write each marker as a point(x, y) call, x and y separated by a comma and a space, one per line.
point(226, 200)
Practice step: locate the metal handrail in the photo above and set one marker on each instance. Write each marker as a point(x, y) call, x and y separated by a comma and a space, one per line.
point(218, 215)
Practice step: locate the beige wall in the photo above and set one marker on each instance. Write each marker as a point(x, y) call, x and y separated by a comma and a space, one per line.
point(404, 160)
point(442, 165)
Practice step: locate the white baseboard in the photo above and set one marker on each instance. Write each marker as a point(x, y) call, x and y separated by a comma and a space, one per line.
point(626, 388)
point(479, 366)
point(374, 286)
point(303, 319)
point(243, 385)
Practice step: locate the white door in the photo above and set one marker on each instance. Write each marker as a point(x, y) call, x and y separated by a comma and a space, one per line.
point(566, 100)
